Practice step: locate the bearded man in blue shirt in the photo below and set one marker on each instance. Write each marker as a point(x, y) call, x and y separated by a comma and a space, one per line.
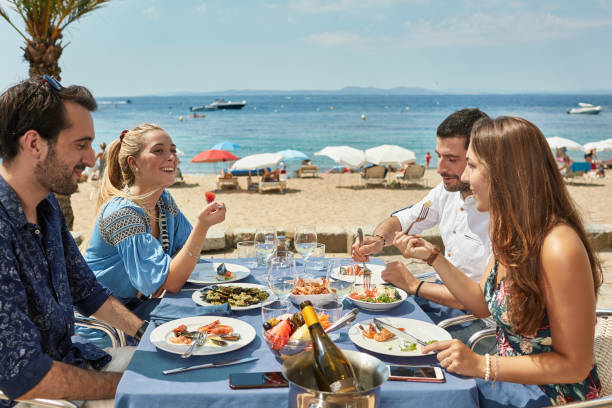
point(46, 135)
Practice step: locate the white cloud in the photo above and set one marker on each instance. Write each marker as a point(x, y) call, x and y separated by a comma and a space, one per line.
point(201, 9)
point(151, 13)
point(490, 29)
point(336, 39)
point(324, 6)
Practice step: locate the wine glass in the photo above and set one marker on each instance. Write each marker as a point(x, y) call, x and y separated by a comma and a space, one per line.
point(281, 275)
point(339, 282)
point(305, 240)
point(265, 244)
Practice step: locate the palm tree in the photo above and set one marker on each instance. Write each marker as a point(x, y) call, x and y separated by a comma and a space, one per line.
point(45, 21)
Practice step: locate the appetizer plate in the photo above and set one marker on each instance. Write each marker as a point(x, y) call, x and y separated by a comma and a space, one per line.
point(160, 335)
point(206, 273)
point(374, 280)
point(196, 297)
point(316, 300)
point(379, 307)
point(393, 347)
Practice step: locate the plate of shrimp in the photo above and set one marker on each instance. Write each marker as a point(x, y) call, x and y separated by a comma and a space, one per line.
point(365, 335)
point(223, 334)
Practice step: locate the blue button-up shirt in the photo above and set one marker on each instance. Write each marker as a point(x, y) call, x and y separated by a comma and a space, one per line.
point(43, 277)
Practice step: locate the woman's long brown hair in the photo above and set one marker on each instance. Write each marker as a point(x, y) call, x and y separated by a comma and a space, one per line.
point(527, 198)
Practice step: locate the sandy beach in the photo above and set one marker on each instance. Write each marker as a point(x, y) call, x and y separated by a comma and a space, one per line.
point(333, 200)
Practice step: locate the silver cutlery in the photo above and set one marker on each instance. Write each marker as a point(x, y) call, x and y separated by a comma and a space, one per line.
point(367, 274)
point(198, 341)
point(209, 365)
point(344, 320)
point(399, 333)
point(422, 215)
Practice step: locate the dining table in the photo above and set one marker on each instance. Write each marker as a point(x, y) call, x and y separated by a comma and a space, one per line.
point(144, 385)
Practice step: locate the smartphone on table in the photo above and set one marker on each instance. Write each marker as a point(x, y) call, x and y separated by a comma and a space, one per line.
point(238, 381)
point(416, 373)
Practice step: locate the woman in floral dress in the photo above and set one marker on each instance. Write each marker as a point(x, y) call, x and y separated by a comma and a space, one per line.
point(541, 283)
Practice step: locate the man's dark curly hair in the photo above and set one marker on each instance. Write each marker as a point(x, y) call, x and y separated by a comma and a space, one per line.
point(460, 123)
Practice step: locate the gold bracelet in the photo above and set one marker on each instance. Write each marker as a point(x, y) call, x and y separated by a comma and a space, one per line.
point(190, 254)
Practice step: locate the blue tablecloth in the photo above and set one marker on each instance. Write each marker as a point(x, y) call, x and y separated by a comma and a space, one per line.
point(144, 385)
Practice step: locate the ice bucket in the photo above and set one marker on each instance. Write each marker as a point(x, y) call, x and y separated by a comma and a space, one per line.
point(304, 393)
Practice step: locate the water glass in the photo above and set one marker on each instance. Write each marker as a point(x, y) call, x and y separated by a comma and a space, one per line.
point(247, 253)
point(333, 310)
point(305, 240)
point(316, 260)
point(282, 274)
point(274, 309)
point(265, 244)
point(340, 284)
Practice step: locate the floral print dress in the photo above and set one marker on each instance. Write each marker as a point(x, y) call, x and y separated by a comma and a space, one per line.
point(510, 343)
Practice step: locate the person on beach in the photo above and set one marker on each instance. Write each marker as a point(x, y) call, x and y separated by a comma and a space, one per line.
point(46, 133)
point(541, 284)
point(141, 243)
point(464, 230)
point(427, 159)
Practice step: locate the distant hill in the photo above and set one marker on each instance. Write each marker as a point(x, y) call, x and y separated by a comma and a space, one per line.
point(349, 90)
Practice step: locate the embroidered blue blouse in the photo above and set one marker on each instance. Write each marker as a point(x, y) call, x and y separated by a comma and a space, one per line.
point(123, 253)
point(42, 275)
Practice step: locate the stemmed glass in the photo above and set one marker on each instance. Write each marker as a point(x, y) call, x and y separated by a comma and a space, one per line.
point(282, 274)
point(265, 244)
point(340, 284)
point(305, 240)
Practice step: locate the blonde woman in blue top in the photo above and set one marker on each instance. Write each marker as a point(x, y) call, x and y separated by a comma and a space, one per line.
point(141, 243)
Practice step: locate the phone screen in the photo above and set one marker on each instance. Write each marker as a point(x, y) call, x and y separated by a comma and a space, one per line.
point(257, 380)
point(416, 373)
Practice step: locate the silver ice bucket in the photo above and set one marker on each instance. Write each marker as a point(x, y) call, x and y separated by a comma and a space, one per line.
point(303, 391)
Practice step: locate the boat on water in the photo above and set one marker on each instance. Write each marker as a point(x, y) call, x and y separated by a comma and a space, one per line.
point(219, 104)
point(585, 109)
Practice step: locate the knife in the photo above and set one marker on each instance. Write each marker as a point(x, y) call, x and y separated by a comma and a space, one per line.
point(398, 332)
point(210, 365)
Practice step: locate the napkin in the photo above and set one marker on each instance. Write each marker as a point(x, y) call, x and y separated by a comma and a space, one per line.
point(165, 312)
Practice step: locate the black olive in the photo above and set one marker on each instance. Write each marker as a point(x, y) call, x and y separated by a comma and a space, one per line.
point(267, 326)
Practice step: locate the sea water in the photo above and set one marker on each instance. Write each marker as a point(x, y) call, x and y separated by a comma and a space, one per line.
point(270, 123)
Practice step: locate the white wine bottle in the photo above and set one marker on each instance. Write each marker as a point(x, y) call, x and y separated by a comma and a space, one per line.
point(333, 371)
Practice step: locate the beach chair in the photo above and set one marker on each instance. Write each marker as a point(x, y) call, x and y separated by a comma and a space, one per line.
point(374, 175)
point(601, 351)
point(413, 174)
point(307, 171)
point(280, 185)
point(227, 183)
point(117, 340)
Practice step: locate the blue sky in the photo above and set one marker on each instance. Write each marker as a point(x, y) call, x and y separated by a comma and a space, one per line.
point(148, 47)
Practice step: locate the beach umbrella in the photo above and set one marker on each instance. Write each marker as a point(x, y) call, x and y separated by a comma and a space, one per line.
point(390, 155)
point(602, 145)
point(344, 155)
point(560, 142)
point(229, 146)
point(257, 161)
point(292, 155)
point(213, 156)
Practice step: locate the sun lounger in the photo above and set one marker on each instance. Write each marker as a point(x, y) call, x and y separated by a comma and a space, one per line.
point(227, 183)
point(307, 171)
point(374, 175)
point(413, 174)
point(280, 185)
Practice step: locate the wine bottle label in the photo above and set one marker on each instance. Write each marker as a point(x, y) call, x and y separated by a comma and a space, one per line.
point(341, 386)
point(310, 316)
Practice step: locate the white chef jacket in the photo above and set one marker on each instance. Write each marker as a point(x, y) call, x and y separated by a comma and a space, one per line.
point(464, 229)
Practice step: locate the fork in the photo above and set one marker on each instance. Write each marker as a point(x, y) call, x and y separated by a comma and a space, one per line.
point(367, 275)
point(198, 341)
point(422, 215)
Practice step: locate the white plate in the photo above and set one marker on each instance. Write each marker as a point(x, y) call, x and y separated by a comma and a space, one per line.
point(159, 336)
point(375, 278)
point(196, 295)
point(316, 300)
point(423, 330)
point(377, 307)
point(206, 273)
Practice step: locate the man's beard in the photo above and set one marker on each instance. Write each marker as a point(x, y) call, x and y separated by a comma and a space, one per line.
point(55, 175)
point(458, 186)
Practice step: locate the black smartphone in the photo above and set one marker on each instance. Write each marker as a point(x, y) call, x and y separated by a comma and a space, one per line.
point(416, 373)
point(239, 381)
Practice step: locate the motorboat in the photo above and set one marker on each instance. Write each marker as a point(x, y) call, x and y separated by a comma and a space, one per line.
point(585, 109)
point(219, 104)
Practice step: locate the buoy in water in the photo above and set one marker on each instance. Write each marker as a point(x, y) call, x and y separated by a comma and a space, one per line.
point(180, 118)
point(331, 108)
point(363, 117)
point(407, 108)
